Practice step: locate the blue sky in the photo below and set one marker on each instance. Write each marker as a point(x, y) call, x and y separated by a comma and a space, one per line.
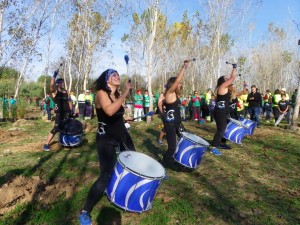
point(276, 11)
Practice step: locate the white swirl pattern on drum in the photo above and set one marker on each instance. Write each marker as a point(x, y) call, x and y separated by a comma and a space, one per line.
point(237, 139)
point(66, 140)
point(190, 161)
point(191, 156)
point(178, 144)
point(124, 173)
point(132, 189)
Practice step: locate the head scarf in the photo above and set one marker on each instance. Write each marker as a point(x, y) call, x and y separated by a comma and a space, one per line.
point(109, 72)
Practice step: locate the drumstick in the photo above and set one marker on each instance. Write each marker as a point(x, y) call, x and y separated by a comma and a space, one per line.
point(139, 117)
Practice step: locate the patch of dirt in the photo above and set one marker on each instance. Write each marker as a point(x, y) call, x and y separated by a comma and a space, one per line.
point(20, 189)
point(12, 136)
point(16, 133)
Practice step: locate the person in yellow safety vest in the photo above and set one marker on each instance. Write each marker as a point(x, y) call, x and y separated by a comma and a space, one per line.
point(207, 101)
point(276, 98)
point(81, 104)
point(88, 105)
point(240, 106)
point(245, 103)
point(74, 101)
point(283, 91)
point(287, 97)
point(268, 105)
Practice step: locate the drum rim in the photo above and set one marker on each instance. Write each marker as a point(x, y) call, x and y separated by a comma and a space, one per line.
point(239, 123)
point(136, 173)
point(182, 134)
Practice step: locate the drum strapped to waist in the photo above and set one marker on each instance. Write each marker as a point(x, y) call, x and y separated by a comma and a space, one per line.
point(190, 150)
point(71, 131)
point(134, 181)
point(235, 131)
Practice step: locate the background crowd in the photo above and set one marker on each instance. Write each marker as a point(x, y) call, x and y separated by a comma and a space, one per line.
point(197, 106)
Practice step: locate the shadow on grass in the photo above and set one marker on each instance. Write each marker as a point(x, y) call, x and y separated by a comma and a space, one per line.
point(263, 208)
point(10, 175)
point(53, 173)
point(109, 216)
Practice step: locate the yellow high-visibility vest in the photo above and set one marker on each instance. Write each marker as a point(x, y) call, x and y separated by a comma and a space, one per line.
point(244, 98)
point(277, 98)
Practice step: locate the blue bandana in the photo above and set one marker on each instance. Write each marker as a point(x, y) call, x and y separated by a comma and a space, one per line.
point(109, 73)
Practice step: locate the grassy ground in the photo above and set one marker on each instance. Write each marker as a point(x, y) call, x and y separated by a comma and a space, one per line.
point(253, 183)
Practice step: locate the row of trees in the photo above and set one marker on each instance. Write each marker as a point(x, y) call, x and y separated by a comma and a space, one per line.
point(155, 44)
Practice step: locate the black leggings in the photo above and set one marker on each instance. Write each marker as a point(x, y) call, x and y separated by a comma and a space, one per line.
point(106, 149)
point(171, 131)
point(221, 122)
point(59, 118)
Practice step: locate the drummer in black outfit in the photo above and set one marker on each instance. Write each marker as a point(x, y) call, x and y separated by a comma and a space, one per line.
point(112, 134)
point(171, 114)
point(62, 108)
point(222, 110)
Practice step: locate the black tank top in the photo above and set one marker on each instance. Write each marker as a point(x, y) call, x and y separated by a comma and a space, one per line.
point(222, 102)
point(111, 125)
point(61, 102)
point(172, 112)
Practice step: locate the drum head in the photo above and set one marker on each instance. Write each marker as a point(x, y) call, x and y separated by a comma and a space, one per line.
point(141, 164)
point(195, 139)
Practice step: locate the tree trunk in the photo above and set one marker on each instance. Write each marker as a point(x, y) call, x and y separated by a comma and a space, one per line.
point(150, 55)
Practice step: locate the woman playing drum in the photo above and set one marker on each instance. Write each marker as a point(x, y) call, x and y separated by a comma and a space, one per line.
point(111, 134)
point(171, 117)
point(222, 110)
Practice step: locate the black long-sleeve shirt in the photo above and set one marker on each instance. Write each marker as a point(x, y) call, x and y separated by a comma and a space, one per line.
point(256, 102)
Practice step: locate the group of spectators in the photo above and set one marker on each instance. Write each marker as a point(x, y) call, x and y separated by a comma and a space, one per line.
point(253, 105)
point(8, 109)
point(83, 105)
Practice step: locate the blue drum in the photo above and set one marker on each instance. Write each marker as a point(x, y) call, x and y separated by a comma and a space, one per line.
point(190, 150)
point(71, 131)
point(250, 124)
point(134, 181)
point(235, 131)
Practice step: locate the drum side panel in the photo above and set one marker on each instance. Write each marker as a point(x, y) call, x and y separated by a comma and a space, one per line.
point(234, 133)
point(130, 191)
point(189, 154)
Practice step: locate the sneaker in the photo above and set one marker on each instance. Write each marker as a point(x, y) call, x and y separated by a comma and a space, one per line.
point(159, 142)
point(46, 148)
point(215, 151)
point(85, 218)
point(224, 146)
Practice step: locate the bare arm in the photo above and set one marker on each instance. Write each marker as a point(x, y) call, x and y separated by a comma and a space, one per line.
point(110, 108)
point(52, 85)
point(160, 102)
point(222, 89)
point(244, 91)
point(178, 78)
